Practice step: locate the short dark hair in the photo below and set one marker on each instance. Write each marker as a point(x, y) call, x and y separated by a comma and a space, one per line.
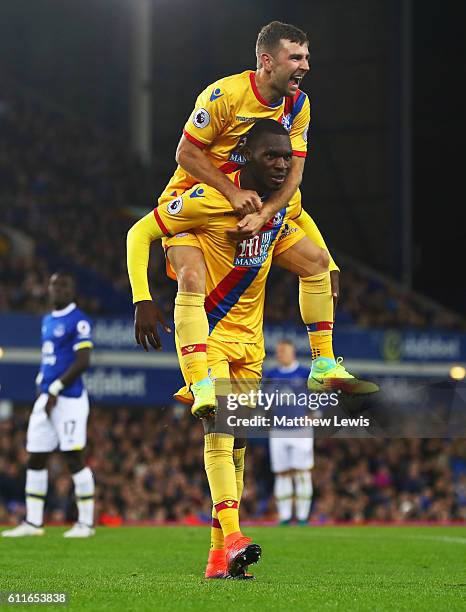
point(271, 34)
point(264, 126)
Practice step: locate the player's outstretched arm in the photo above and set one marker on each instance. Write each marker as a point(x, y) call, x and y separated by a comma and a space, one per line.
point(147, 316)
point(138, 241)
point(192, 159)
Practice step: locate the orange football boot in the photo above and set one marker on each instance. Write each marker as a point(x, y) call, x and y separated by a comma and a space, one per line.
point(217, 567)
point(216, 564)
point(240, 552)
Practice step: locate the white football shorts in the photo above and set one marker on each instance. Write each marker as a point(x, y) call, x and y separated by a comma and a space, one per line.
point(290, 453)
point(66, 426)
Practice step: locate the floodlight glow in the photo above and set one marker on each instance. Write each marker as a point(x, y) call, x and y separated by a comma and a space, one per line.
point(457, 372)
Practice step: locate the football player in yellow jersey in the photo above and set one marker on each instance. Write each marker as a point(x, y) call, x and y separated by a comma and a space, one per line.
point(210, 147)
point(195, 208)
point(235, 285)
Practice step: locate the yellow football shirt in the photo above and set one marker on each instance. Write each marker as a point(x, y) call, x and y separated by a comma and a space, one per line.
point(223, 114)
point(236, 273)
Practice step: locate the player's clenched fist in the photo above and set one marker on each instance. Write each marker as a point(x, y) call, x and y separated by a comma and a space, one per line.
point(146, 318)
point(248, 227)
point(245, 201)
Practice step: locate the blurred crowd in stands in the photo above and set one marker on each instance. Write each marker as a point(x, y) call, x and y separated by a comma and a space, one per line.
point(69, 194)
point(64, 186)
point(149, 467)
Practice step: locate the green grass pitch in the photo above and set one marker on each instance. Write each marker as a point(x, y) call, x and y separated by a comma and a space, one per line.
point(302, 568)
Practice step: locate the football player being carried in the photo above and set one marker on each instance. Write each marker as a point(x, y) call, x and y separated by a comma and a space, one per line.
point(60, 412)
point(235, 283)
point(210, 147)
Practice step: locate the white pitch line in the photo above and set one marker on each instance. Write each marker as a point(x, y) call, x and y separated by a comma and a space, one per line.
point(448, 539)
point(366, 536)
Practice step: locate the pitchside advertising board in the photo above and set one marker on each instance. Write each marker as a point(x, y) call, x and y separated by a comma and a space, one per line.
point(123, 373)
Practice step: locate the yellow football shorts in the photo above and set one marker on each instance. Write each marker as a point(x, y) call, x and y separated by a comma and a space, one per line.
point(233, 365)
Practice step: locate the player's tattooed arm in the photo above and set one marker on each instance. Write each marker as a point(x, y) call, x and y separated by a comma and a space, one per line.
point(251, 224)
point(80, 364)
point(192, 159)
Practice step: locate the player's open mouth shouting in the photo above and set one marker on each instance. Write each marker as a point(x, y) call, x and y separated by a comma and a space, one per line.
point(295, 81)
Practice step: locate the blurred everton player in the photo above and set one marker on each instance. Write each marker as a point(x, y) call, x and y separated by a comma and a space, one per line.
point(59, 415)
point(292, 458)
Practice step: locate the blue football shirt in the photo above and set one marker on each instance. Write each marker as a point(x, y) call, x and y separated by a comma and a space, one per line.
point(63, 333)
point(291, 380)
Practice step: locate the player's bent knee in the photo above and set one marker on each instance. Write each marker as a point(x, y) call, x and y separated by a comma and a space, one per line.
point(191, 279)
point(189, 266)
point(74, 460)
point(322, 262)
point(317, 265)
point(324, 259)
point(37, 461)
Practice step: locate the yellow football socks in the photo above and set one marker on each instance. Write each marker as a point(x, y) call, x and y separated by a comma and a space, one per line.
point(216, 533)
point(220, 469)
point(238, 460)
point(316, 305)
point(192, 329)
